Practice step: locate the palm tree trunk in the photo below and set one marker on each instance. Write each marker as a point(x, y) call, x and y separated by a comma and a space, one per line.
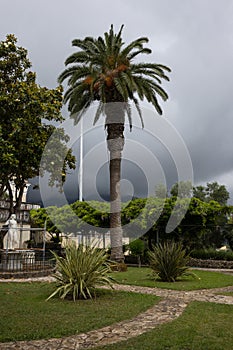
point(115, 140)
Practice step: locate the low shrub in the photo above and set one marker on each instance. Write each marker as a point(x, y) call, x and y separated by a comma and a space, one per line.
point(137, 248)
point(80, 271)
point(212, 253)
point(169, 261)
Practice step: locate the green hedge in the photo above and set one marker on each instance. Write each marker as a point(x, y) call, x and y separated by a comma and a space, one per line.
point(212, 254)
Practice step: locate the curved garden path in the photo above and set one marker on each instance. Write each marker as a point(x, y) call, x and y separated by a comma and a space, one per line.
point(170, 307)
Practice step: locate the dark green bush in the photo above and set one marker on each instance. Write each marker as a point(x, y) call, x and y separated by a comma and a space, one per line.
point(137, 248)
point(213, 254)
point(169, 261)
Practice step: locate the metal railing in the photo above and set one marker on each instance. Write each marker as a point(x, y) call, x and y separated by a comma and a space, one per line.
point(23, 259)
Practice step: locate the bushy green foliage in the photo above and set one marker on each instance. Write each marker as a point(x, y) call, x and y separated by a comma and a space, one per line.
point(212, 254)
point(169, 261)
point(137, 248)
point(27, 114)
point(80, 271)
point(212, 192)
point(204, 224)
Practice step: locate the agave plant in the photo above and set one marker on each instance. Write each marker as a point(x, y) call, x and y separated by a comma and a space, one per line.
point(80, 271)
point(169, 261)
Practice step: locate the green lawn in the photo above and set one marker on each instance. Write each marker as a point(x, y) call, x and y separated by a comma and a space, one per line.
point(141, 277)
point(26, 315)
point(230, 294)
point(203, 326)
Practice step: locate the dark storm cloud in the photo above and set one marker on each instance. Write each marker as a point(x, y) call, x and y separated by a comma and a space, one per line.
point(194, 38)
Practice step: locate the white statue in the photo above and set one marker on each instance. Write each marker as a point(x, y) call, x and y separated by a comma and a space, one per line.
point(11, 239)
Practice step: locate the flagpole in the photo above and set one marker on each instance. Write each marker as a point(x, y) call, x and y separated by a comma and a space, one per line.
point(81, 163)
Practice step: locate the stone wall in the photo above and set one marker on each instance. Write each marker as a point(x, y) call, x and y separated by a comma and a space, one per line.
point(27, 274)
point(214, 264)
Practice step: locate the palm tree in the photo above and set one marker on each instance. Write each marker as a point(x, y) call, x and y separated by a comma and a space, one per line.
point(104, 70)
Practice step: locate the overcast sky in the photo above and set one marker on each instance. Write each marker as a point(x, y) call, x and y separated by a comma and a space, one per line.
point(193, 37)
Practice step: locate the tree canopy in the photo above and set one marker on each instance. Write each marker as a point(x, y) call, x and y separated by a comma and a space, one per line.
point(205, 224)
point(26, 113)
point(104, 70)
point(183, 189)
point(212, 191)
point(161, 191)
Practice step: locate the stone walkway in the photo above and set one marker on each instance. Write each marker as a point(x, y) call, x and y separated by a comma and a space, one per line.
point(169, 308)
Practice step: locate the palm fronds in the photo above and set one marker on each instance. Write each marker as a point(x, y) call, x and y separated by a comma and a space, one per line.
point(103, 69)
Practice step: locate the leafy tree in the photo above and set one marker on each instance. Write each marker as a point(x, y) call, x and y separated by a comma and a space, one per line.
point(204, 224)
point(104, 70)
point(217, 193)
point(38, 219)
point(212, 191)
point(200, 227)
point(184, 188)
point(228, 229)
point(137, 248)
point(92, 213)
point(26, 113)
point(228, 235)
point(161, 191)
point(199, 192)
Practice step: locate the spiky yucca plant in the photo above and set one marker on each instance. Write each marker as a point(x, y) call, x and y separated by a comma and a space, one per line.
point(80, 272)
point(169, 261)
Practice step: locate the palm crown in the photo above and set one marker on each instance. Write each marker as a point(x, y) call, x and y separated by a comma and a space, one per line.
point(103, 70)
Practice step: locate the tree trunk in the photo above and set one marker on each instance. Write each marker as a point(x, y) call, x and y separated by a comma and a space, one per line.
point(11, 199)
point(115, 140)
point(18, 199)
point(139, 261)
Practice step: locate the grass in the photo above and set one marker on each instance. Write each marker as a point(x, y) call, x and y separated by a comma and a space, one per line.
point(203, 326)
point(229, 294)
point(141, 277)
point(25, 315)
